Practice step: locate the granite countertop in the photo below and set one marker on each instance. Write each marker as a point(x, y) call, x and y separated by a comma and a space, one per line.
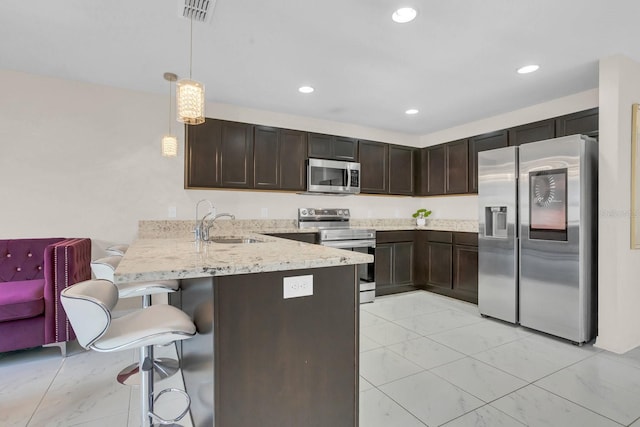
point(181, 258)
point(151, 229)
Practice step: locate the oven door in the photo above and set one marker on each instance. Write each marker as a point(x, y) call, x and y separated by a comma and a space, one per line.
point(366, 272)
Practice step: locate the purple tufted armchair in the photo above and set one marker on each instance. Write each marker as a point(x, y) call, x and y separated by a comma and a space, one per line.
point(33, 272)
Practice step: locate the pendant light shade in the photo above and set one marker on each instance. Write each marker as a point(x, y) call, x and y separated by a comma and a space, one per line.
point(169, 141)
point(190, 93)
point(169, 146)
point(190, 100)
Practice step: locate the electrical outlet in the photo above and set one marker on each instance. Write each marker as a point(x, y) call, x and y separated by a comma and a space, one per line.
point(172, 212)
point(297, 286)
point(264, 212)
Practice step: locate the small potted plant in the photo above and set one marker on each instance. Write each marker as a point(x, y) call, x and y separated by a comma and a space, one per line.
point(421, 216)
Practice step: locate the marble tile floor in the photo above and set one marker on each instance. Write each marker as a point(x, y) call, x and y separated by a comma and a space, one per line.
point(39, 388)
point(426, 360)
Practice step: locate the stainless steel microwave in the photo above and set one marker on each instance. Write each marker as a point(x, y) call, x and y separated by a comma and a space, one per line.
point(332, 176)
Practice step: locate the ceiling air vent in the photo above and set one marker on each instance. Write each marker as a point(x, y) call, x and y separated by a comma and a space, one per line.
point(198, 10)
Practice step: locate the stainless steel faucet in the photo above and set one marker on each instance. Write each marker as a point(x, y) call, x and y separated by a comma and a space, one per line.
point(206, 231)
point(197, 230)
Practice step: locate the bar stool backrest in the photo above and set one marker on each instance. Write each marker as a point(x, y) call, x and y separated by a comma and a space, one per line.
point(105, 268)
point(88, 305)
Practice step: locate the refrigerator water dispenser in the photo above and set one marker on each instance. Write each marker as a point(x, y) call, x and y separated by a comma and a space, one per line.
point(496, 222)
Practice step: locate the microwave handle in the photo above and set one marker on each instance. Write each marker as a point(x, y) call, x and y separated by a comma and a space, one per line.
point(348, 178)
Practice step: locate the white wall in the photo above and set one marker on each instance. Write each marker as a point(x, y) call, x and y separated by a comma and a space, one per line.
point(619, 266)
point(84, 160)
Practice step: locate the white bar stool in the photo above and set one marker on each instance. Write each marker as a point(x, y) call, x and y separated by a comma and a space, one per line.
point(88, 306)
point(117, 250)
point(104, 268)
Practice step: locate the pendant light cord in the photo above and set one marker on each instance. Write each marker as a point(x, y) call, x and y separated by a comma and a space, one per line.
point(170, 81)
point(190, 44)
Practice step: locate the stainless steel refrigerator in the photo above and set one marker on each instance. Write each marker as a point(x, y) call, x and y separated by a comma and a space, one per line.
point(537, 258)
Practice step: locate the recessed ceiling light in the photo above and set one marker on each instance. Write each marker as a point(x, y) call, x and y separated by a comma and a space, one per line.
point(411, 111)
point(305, 89)
point(404, 15)
point(528, 69)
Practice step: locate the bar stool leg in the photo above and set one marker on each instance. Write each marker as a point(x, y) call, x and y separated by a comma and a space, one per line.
point(146, 385)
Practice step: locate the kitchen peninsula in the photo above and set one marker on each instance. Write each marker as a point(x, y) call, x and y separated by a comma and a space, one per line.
point(270, 350)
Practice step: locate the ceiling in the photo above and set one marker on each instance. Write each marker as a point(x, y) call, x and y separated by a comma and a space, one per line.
point(455, 62)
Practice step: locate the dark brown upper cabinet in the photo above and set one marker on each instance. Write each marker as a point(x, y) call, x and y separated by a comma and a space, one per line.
point(201, 155)
point(293, 159)
point(401, 170)
point(224, 154)
point(219, 154)
point(373, 167)
point(532, 132)
point(420, 171)
point(484, 142)
point(582, 122)
point(332, 147)
point(266, 158)
point(444, 169)
point(279, 158)
point(320, 146)
point(236, 155)
point(457, 167)
point(435, 164)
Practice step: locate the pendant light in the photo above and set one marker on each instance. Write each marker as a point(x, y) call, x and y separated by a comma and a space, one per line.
point(190, 93)
point(169, 141)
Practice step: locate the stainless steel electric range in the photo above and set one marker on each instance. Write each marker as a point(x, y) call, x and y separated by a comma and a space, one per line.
point(335, 231)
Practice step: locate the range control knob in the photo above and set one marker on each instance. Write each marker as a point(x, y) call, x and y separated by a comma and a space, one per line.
point(303, 212)
point(312, 212)
point(346, 212)
point(339, 211)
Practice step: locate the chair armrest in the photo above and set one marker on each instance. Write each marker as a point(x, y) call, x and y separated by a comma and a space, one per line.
point(65, 263)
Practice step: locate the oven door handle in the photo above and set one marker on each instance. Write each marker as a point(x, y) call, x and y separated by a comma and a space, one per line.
point(347, 244)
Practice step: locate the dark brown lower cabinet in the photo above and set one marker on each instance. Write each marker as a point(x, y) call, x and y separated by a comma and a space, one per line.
point(447, 263)
point(261, 360)
point(384, 266)
point(465, 272)
point(394, 262)
point(438, 264)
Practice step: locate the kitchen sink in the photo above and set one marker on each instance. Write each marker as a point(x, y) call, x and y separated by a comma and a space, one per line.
point(236, 240)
